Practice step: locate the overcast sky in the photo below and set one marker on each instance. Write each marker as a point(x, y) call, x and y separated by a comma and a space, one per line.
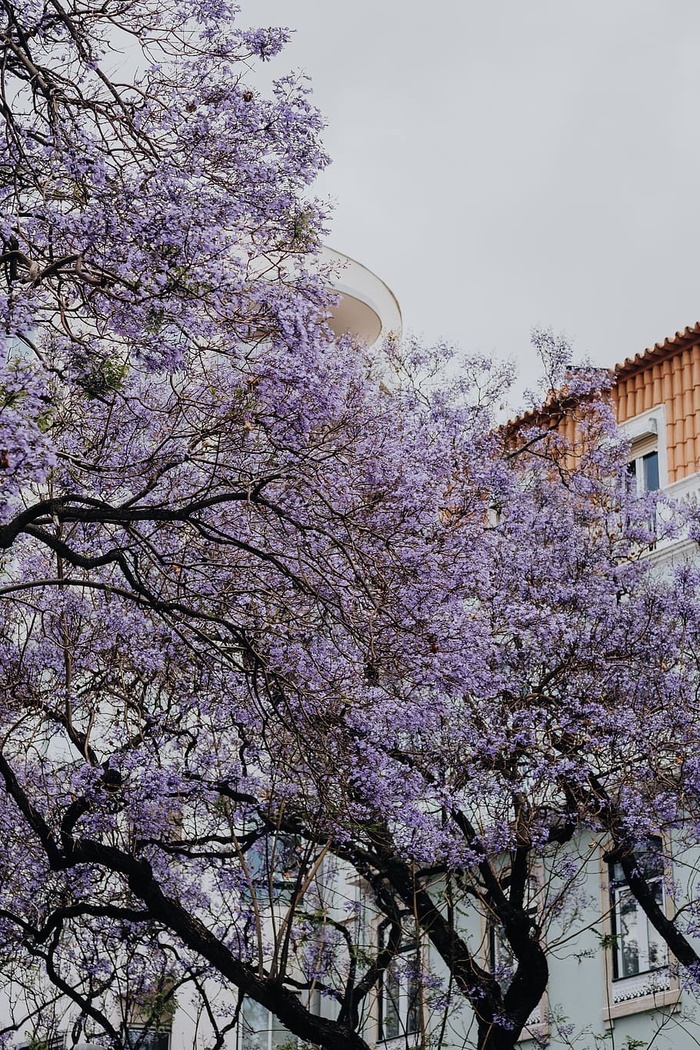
point(509, 163)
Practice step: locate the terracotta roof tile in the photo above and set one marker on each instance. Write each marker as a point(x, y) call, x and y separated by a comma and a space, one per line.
point(634, 394)
point(672, 345)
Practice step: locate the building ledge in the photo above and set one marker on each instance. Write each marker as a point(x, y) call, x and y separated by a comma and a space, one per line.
point(367, 308)
point(668, 998)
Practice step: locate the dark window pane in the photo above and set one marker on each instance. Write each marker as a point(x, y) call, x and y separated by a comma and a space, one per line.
point(651, 471)
point(399, 992)
point(390, 1021)
point(147, 1039)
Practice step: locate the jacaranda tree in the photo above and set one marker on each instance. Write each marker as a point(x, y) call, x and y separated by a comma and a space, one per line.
point(285, 629)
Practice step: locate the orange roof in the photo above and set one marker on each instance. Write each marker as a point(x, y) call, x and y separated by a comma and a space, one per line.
point(675, 343)
point(558, 402)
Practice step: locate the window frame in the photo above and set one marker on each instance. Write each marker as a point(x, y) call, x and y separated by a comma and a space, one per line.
point(660, 993)
point(273, 882)
point(407, 1002)
point(147, 1037)
point(269, 1035)
point(620, 895)
point(646, 434)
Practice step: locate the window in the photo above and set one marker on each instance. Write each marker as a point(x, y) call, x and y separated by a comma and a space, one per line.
point(398, 994)
point(643, 473)
point(52, 1041)
point(259, 1029)
point(643, 476)
point(646, 434)
point(147, 1038)
point(637, 947)
point(273, 863)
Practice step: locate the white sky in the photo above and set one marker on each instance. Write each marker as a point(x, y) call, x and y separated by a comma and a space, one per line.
point(509, 163)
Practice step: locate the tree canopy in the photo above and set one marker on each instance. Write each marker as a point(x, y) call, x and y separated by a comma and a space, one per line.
point(281, 615)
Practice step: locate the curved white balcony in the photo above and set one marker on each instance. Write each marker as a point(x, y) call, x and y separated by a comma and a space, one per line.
point(367, 309)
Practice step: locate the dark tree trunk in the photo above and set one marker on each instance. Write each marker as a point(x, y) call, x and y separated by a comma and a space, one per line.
point(495, 1037)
